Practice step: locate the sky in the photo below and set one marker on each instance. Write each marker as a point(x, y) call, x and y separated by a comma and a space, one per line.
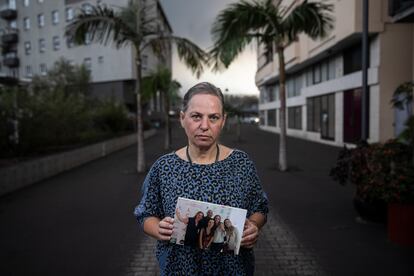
point(193, 19)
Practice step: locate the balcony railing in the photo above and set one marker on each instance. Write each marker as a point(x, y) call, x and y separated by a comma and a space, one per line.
point(8, 12)
point(10, 36)
point(11, 61)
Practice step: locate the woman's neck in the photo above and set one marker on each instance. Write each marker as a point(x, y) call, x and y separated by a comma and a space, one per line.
point(203, 155)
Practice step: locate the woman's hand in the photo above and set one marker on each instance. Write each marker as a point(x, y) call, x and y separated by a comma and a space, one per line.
point(165, 229)
point(250, 234)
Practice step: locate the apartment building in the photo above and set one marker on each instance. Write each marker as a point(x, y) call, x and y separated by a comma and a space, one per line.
point(324, 77)
point(33, 39)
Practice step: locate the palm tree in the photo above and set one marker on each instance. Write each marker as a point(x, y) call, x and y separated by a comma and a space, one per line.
point(271, 25)
point(131, 25)
point(161, 80)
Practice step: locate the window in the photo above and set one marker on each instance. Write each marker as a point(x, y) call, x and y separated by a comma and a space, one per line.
point(295, 117)
point(27, 47)
point(43, 69)
point(290, 87)
point(42, 45)
point(271, 117)
point(144, 62)
point(321, 115)
point(26, 3)
point(88, 38)
point(88, 64)
point(55, 17)
point(331, 69)
point(69, 42)
point(40, 1)
point(309, 77)
point(298, 85)
point(29, 72)
point(56, 43)
point(26, 23)
point(100, 59)
point(12, 4)
point(353, 59)
point(87, 8)
point(262, 118)
point(41, 20)
point(69, 14)
point(317, 78)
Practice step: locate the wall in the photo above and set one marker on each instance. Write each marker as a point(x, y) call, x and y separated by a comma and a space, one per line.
point(28, 173)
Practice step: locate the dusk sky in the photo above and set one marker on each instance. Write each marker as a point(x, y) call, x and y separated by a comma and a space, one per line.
point(193, 19)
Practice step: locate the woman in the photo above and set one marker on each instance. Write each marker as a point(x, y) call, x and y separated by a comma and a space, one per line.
point(219, 235)
point(192, 231)
point(207, 171)
point(232, 237)
point(207, 234)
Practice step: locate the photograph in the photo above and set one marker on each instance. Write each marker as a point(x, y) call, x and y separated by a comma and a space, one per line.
point(208, 226)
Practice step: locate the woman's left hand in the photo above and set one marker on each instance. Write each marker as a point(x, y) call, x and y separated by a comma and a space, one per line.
point(250, 234)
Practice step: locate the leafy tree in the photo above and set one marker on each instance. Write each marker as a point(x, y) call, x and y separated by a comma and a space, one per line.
point(273, 26)
point(161, 80)
point(133, 25)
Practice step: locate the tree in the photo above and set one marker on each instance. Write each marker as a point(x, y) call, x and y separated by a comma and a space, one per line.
point(271, 25)
point(161, 80)
point(133, 25)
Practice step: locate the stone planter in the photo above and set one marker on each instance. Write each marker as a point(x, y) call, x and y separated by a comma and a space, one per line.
point(401, 223)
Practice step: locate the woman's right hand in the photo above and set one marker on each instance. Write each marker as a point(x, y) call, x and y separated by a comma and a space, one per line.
point(165, 229)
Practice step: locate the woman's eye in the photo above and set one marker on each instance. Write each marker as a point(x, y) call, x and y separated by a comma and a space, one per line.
point(196, 117)
point(214, 118)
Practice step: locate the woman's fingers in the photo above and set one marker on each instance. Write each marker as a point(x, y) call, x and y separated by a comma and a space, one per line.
point(165, 228)
point(250, 234)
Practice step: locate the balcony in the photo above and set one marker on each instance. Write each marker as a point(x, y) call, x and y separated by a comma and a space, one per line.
point(10, 37)
point(11, 62)
point(401, 11)
point(8, 13)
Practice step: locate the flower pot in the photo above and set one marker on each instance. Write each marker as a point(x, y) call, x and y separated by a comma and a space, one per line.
point(401, 223)
point(375, 211)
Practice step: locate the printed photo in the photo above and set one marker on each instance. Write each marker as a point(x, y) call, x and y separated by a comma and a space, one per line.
point(208, 226)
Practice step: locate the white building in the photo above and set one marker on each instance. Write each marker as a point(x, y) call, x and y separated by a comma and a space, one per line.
point(33, 38)
point(324, 77)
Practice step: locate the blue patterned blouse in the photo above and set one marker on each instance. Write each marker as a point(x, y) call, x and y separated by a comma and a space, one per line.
point(232, 181)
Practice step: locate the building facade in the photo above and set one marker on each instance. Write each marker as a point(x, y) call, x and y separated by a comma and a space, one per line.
point(324, 77)
point(33, 39)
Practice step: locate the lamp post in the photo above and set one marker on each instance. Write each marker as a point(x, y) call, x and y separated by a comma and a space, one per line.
point(364, 98)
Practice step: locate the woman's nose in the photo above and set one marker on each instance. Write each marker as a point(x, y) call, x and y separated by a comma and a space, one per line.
point(204, 124)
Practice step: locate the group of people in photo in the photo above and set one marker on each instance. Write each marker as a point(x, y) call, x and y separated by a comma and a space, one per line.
point(209, 232)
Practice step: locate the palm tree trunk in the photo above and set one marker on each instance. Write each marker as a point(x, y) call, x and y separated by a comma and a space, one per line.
point(282, 111)
point(140, 131)
point(167, 142)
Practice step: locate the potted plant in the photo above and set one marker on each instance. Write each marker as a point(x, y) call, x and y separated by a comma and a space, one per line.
point(383, 174)
point(401, 210)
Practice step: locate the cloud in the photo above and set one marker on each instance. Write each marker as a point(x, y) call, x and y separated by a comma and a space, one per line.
point(193, 19)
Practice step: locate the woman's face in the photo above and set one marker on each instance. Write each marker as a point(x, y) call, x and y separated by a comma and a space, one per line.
point(203, 120)
point(199, 215)
point(217, 219)
point(210, 223)
point(227, 223)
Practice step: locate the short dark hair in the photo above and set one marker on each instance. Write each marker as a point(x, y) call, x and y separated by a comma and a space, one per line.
point(203, 88)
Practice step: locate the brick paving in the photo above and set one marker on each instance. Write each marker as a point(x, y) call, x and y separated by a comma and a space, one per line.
point(278, 252)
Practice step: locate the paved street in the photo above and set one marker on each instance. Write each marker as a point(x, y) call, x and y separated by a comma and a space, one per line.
point(81, 223)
